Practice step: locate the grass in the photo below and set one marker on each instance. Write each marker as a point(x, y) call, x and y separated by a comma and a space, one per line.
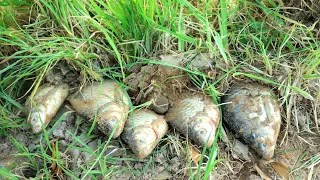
point(248, 40)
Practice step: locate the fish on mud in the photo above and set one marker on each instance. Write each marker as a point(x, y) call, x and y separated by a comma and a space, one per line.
point(143, 131)
point(196, 117)
point(45, 104)
point(107, 101)
point(253, 114)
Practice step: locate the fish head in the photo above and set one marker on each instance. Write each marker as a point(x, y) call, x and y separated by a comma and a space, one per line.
point(112, 117)
point(202, 130)
point(143, 141)
point(37, 118)
point(264, 142)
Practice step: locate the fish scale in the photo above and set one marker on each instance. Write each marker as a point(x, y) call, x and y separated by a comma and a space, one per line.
point(191, 107)
point(148, 118)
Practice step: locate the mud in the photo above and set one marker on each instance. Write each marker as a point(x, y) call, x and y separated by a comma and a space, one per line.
point(166, 161)
point(63, 73)
point(305, 11)
point(74, 134)
point(157, 84)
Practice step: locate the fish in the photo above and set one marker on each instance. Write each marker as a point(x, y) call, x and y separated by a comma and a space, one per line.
point(44, 105)
point(196, 117)
point(107, 101)
point(253, 115)
point(143, 131)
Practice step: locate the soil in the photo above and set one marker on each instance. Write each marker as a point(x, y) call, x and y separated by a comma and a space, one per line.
point(305, 11)
point(169, 160)
point(155, 83)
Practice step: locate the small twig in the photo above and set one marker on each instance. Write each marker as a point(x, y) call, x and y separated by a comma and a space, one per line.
point(7, 59)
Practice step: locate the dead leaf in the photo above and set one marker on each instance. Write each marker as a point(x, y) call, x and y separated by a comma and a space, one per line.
point(194, 153)
point(281, 169)
point(53, 165)
point(56, 169)
point(261, 173)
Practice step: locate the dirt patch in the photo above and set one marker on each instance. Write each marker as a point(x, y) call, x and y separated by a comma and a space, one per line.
point(291, 154)
point(160, 85)
point(80, 143)
point(305, 11)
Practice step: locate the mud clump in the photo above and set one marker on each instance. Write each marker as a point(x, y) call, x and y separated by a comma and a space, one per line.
point(62, 73)
point(145, 87)
point(158, 84)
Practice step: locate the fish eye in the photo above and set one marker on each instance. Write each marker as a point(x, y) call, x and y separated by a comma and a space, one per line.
point(33, 119)
point(202, 131)
point(264, 145)
point(141, 141)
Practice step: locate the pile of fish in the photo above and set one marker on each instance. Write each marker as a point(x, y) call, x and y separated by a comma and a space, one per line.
point(250, 111)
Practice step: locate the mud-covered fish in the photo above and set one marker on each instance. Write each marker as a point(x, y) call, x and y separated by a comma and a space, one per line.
point(253, 114)
point(45, 104)
point(196, 117)
point(107, 101)
point(143, 131)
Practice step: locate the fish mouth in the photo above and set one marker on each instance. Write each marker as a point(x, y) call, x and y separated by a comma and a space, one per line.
point(35, 121)
point(107, 126)
point(109, 119)
point(144, 140)
point(263, 142)
point(203, 133)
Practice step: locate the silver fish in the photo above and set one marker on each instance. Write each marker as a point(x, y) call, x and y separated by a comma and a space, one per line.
point(143, 131)
point(196, 117)
point(45, 104)
point(108, 101)
point(254, 116)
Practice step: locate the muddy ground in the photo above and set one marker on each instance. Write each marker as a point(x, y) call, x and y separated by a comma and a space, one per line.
point(298, 141)
point(304, 11)
point(169, 160)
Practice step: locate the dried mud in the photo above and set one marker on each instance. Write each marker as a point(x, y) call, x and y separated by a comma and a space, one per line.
point(162, 85)
point(305, 11)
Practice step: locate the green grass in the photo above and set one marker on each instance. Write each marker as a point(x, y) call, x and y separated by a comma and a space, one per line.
point(248, 40)
point(309, 163)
